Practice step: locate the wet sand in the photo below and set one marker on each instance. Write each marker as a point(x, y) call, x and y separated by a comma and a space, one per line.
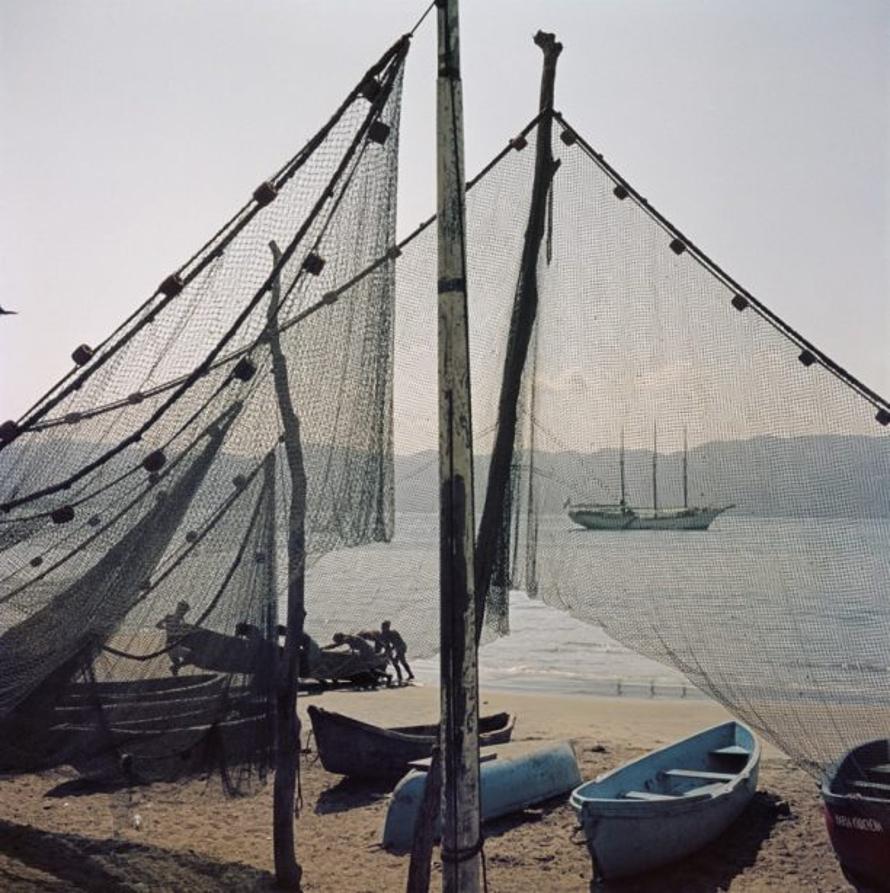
point(188, 837)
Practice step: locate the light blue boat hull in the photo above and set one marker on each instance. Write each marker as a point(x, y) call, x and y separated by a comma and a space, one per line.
point(520, 776)
point(669, 803)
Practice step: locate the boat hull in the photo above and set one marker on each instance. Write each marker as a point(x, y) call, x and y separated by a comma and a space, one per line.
point(682, 519)
point(347, 746)
point(630, 836)
point(518, 776)
point(859, 825)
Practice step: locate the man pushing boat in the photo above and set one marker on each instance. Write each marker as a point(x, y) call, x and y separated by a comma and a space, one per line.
point(396, 649)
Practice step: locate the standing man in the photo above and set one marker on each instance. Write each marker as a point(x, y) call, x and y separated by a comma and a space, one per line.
point(396, 648)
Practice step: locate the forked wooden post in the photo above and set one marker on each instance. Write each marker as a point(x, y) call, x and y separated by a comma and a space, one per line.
point(287, 870)
point(522, 321)
point(460, 702)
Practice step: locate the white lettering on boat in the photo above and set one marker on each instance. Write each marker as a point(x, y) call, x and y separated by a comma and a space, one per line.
point(858, 823)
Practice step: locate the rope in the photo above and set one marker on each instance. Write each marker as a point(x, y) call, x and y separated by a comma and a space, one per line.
point(420, 20)
point(715, 270)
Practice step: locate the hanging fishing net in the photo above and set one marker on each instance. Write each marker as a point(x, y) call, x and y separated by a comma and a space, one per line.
point(692, 475)
point(143, 537)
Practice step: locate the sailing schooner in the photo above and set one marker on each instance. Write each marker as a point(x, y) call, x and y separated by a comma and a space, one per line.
point(608, 516)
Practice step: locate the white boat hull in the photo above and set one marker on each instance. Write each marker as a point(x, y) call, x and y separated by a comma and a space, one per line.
point(669, 519)
point(519, 776)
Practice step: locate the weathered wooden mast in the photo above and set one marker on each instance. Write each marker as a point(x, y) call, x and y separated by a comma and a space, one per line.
point(525, 308)
point(459, 670)
point(287, 870)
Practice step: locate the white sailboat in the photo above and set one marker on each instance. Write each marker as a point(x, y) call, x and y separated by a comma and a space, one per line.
point(609, 516)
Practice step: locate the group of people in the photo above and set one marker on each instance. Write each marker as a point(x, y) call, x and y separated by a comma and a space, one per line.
point(372, 645)
point(375, 648)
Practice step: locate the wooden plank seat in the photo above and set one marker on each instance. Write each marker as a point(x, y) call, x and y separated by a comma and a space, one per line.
point(873, 788)
point(734, 750)
point(649, 795)
point(699, 773)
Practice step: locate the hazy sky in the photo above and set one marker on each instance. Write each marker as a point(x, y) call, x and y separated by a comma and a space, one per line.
point(132, 128)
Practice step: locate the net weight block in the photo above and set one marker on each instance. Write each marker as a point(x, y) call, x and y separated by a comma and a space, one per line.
point(314, 263)
point(378, 132)
point(9, 430)
point(82, 355)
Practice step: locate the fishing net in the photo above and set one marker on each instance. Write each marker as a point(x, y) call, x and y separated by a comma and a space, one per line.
point(143, 539)
point(146, 499)
point(778, 609)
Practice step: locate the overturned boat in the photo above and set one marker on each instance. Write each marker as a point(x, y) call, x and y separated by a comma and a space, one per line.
point(669, 803)
point(513, 777)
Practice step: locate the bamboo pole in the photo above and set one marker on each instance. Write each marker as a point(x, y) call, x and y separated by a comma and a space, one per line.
point(288, 872)
point(459, 671)
point(525, 307)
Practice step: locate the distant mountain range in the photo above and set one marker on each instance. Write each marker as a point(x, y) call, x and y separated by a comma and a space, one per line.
point(821, 476)
point(825, 476)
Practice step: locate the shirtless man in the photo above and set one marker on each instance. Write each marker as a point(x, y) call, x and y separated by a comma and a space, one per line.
point(396, 649)
point(177, 629)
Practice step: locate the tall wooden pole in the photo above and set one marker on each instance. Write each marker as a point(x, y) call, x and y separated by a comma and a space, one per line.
point(459, 670)
point(522, 321)
point(288, 872)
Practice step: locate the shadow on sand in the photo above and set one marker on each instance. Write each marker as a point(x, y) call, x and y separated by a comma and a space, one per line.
point(116, 866)
point(715, 866)
point(350, 793)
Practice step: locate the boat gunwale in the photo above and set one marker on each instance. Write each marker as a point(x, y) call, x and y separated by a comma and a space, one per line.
point(617, 807)
point(397, 733)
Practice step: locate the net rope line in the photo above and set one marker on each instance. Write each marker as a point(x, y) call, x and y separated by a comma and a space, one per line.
point(206, 365)
point(393, 253)
point(720, 274)
point(330, 297)
point(230, 412)
point(214, 602)
point(85, 497)
point(285, 173)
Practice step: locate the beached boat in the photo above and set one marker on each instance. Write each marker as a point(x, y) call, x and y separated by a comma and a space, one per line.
point(669, 803)
point(621, 516)
point(348, 746)
point(158, 750)
point(513, 777)
point(856, 800)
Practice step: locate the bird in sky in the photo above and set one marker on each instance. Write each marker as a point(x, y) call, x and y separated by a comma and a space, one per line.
point(7, 312)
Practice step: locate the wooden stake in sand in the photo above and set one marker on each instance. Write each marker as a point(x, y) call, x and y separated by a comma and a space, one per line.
point(287, 870)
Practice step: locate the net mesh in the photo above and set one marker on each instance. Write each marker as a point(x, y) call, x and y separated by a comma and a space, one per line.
point(143, 559)
point(146, 497)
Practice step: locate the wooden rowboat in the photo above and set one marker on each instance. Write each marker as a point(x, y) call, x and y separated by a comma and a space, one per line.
point(669, 803)
point(347, 746)
point(856, 801)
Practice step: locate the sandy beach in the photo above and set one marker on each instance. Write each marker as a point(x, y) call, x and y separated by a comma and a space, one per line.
point(188, 837)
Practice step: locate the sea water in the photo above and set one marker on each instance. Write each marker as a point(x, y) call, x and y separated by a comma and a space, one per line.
point(810, 596)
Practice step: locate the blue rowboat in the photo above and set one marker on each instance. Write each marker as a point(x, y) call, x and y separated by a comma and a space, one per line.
point(856, 800)
point(513, 777)
point(669, 803)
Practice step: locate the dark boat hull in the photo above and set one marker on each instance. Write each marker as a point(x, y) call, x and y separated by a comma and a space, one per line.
point(856, 803)
point(350, 747)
